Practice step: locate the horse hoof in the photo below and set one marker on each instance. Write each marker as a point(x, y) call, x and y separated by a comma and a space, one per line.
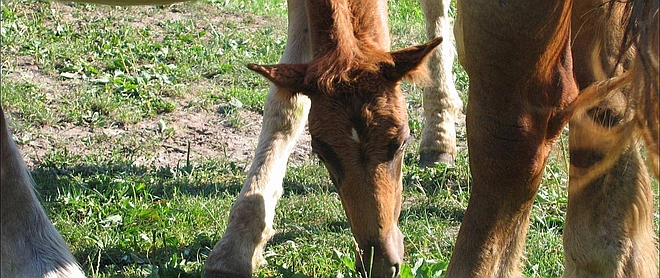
point(432, 158)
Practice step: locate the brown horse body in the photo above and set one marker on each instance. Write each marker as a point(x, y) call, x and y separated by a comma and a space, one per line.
point(522, 58)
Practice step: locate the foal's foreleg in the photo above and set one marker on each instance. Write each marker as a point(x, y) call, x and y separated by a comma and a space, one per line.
point(441, 101)
point(238, 253)
point(30, 246)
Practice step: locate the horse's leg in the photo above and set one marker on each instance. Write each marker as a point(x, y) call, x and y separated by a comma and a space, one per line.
point(517, 55)
point(609, 222)
point(251, 217)
point(30, 244)
point(441, 101)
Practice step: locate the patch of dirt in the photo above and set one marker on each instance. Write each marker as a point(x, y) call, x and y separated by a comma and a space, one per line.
point(206, 133)
point(211, 135)
point(27, 69)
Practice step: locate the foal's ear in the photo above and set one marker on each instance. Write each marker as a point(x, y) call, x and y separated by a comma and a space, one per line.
point(408, 62)
point(289, 76)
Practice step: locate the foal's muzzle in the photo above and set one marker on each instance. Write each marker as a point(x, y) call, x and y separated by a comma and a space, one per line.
point(381, 259)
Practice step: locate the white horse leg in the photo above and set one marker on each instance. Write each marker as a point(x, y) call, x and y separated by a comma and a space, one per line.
point(441, 101)
point(251, 218)
point(30, 245)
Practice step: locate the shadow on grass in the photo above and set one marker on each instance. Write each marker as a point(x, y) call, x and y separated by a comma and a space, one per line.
point(115, 176)
point(435, 211)
point(294, 235)
point(208, 178)
point(173, 260)
point(162, 261)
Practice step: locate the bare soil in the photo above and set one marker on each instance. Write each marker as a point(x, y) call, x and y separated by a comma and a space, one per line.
point(208, 132)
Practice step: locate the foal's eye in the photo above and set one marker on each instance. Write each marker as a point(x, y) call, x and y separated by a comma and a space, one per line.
point(397, 147)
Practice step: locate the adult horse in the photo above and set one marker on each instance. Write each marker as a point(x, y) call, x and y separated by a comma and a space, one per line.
point(527, 61)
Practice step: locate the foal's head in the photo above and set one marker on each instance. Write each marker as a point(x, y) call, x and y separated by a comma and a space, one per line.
point(359, 127)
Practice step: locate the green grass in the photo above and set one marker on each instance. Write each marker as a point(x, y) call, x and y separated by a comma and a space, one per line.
point(107, 67)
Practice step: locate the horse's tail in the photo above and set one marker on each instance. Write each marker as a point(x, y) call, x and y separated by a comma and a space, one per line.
point(641, 81)
point(641, 23)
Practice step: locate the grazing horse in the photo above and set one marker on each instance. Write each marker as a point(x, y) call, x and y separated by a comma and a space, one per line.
point(239, 251)
point(354, 81)
point(527, 61)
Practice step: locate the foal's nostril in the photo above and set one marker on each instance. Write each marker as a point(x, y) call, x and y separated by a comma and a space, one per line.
point(397, 269)
point(381, 271)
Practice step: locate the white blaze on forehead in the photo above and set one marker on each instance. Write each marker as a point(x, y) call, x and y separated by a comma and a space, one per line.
point(355, 135)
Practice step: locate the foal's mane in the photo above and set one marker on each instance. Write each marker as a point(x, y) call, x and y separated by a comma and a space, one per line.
point(350, 50)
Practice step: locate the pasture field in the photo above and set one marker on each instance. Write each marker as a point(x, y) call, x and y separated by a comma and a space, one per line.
point(139, 125)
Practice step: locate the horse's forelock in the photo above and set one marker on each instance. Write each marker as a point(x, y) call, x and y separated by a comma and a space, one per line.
point(336, 67)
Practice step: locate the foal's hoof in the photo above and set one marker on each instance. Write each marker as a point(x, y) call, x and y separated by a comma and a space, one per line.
point(432, 158)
